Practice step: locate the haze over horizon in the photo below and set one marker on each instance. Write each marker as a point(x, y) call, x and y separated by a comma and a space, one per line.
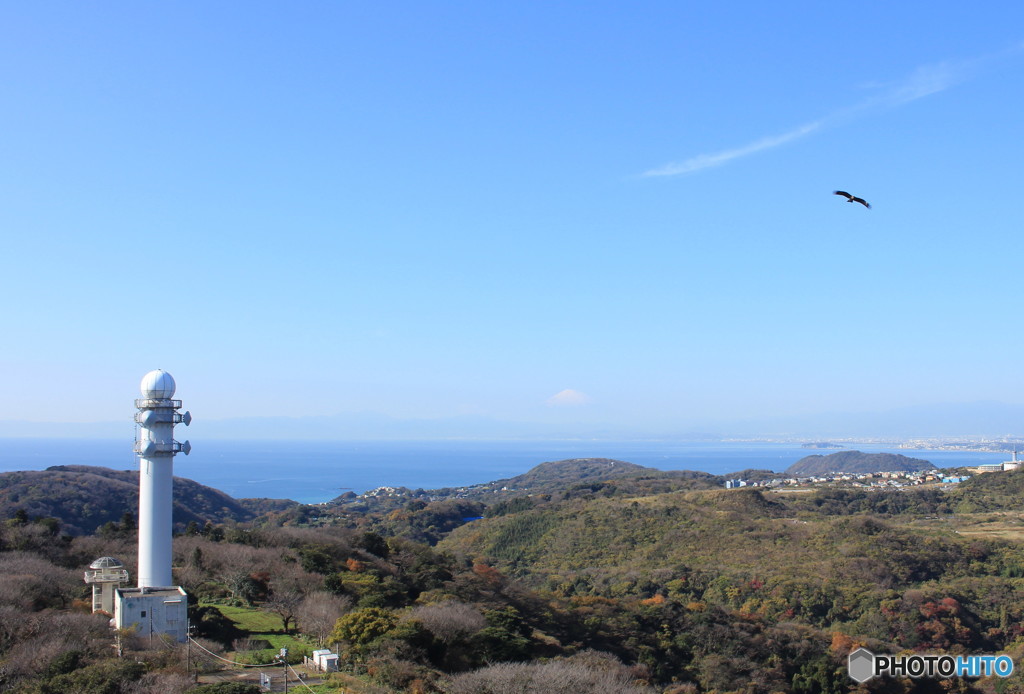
point(982, 420)
point(574, 218)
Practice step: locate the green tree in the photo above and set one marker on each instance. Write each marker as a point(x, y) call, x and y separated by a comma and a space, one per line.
point(128, 523)
point(51, 524)
point(819, 677)
point(316, 560)
point(373, 543)
point(364, 627)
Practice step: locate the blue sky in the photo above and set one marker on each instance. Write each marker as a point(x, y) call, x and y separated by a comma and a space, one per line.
point(572, 212)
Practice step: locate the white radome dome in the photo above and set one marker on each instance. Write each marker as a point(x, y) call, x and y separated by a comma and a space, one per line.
point(157, 385)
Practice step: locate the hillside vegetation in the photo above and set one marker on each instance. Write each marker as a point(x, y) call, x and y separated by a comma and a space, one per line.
point(593, 576)
point(991, 492)
point(84, 498)
point(562, 476)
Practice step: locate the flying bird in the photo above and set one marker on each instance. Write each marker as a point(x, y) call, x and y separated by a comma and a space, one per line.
point(850, 198)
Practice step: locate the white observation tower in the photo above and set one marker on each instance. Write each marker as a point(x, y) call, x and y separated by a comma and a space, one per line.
point(156, 606)
point(156, 447)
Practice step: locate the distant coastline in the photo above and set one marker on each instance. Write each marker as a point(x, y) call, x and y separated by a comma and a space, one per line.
point(317, 471)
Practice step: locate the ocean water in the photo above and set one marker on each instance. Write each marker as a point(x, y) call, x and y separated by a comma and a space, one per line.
point(318, 471)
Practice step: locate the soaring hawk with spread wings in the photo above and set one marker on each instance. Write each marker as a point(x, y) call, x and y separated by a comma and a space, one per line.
point(850, 198)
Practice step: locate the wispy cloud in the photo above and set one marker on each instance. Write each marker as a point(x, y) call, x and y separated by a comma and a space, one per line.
point(567, 397)
point(706, 161)
point(924, 81)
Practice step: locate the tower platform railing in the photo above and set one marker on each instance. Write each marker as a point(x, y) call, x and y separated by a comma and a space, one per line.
point(149, 403)
point(106, 575)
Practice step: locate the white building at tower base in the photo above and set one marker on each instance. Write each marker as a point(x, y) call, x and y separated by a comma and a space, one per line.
point(152, 611)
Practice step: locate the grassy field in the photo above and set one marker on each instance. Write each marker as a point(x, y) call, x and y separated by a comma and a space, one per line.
point(992, 525)
point(251, 619)
point(266, 626)
point(1001, 525)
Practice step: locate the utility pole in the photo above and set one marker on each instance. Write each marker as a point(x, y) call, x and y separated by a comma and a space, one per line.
point(189, 628)
point(283, 655)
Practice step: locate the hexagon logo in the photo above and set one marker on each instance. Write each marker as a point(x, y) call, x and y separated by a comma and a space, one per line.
point(861, 665)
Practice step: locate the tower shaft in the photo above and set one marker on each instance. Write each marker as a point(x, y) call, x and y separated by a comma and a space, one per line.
point(156, 447)
point(156, 474)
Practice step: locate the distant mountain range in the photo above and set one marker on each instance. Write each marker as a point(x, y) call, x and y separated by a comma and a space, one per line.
point(989, 419)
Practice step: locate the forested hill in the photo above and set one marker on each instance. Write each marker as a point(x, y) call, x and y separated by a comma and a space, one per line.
point(992, 492)
point(83, 497)
point(856, 462)
point(561, 473)
point(575, 474)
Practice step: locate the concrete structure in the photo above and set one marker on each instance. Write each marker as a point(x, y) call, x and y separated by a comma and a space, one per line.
point(323, 660)
point(153, 611)
point(105, 574)
point(155, 446)
point(156, 606)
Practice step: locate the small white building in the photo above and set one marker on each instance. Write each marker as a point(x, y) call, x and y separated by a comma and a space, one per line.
point(324, 661)
point(153, 611)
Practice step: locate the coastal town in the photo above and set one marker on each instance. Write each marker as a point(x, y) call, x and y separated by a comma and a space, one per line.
point(895, 479)
point(892, 479)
